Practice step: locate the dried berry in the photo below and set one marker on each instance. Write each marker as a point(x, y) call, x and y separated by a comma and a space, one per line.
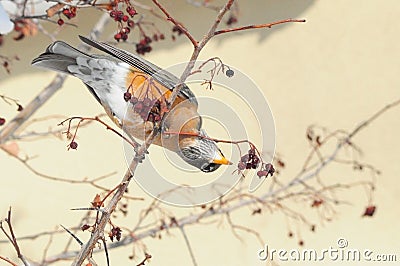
point(241, 166)
point(231, 20)
point(229, 73)
point(177, 29)
point(138, 107)
point(127, 96)
point(146, 102)
point(85, 227)
point(2, 121)
point(134, 100)
point(115, 232)
point(262, 173)
point(73, 145)
point(369, 211)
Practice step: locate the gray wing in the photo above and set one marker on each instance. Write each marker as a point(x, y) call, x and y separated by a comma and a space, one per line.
point(164, 77)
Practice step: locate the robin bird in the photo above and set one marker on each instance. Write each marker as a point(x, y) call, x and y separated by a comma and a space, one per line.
point(134, 94)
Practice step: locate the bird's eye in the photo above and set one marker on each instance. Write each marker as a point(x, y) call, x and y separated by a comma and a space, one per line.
point(210, 167)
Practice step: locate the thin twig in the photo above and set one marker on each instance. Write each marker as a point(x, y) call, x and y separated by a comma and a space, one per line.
point(258, 26)
point(8, 260)
point(98, 233)
point(185, 237)
point(176, 23)
point(11, 237)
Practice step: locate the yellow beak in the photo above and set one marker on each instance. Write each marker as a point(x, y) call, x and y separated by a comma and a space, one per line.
point(221, 160)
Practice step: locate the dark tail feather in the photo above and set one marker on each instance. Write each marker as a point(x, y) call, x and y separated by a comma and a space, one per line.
point(58, 57)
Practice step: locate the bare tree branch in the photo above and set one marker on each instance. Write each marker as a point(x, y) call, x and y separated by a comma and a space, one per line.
point(48, 91)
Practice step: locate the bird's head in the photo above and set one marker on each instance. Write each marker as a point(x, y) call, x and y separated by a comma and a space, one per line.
point(202, 153)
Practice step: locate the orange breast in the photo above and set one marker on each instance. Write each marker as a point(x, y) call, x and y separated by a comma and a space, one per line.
point(143, 86)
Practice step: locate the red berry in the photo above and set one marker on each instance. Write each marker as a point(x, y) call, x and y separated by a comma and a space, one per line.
point(125, 18)
point(119, 15)
point(2, 121)
point(124, 36)
point(138, 107)
point(60, 21)
point(147, 40)
point(131, 23)
point(118, 36)
point(73, 145)
point(66, 12)
point(144, 114)
point(132, 12)
point(113, 13)
point(134, 100)
point(126, 30)
point(162, 37)
point(146, 102)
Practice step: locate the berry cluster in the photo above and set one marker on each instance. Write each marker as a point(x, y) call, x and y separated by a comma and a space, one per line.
point(144, 45)
point(69, 13)
point(125, 22)
point(252, 161)
point(115, 232)
point(249, 160)
point(148, 109)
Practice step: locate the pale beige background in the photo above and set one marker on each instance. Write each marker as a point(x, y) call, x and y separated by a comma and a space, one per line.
point(335, 70)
